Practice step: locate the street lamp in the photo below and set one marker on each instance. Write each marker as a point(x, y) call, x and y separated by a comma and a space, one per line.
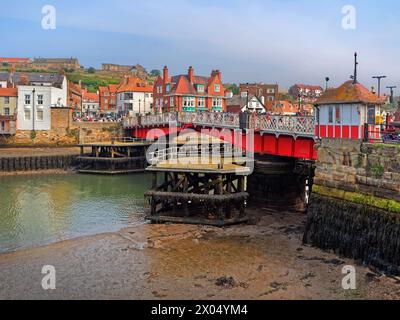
point(391, 93)
point(33, 109)
point(326, 81)
point(379, 78)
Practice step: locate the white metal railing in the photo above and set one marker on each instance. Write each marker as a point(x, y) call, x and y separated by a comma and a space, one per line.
point(296, 125)
point(203, 152)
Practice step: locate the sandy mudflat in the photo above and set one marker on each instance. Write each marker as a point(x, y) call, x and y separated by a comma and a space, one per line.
point(261, 261)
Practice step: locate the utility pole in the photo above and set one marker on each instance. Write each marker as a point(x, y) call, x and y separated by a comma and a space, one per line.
point(354, 76)
point(391, 93)
point(379, 83)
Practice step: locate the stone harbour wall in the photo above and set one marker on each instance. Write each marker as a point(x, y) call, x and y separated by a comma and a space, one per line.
point(354, 208)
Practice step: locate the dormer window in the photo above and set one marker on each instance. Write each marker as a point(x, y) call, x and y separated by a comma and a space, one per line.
point(167, 87)
point(217, 88)
point(200, 88)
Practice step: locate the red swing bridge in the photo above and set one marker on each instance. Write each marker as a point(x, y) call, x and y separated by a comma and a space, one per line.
point(261, 134)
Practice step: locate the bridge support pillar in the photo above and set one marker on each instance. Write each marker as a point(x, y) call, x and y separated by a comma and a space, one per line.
point(281, 184)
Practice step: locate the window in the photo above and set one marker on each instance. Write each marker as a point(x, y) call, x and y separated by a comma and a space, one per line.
point(27, 113)
point(40, 99)
point(6, 100)
point(6, 111)
point(39, 114)
point(330, 114)
point(201, 102)
point(27, 99)
point(337, 115)
point(171, 102)
point(271, 90)
point(188, 103)
point(270, 98)
point(167, 87)
point(200, 88)
point(217, 102)
point(217, 88)
point(159, 89)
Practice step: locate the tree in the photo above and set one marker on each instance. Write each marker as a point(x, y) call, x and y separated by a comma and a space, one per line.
point(5, 64)
point(233, 87)
point(155, 73)
point(91, 70)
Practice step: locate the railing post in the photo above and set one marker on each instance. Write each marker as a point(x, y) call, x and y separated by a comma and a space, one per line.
point(243, 120)
point(366, 132)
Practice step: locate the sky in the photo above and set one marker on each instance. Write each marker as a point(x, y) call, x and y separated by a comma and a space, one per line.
point(270, 41)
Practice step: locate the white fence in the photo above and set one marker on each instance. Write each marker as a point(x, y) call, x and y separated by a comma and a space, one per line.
point(294, 125)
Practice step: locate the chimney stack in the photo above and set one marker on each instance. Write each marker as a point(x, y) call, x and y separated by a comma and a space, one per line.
point(165, 75)
point(190, 74)
point(219, 74)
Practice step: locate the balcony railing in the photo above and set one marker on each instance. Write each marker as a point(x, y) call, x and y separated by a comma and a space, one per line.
point(292, 125)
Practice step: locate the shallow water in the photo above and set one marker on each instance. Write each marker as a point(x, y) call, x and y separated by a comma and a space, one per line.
point(41, 209)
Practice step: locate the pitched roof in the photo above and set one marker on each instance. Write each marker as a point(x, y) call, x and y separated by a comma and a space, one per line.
point(55, 79)
point(89, 96)
point(133, 84)
point(349, 93)
point(8, 92)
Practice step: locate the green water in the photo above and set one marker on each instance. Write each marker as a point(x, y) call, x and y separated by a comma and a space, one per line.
point(38, 210)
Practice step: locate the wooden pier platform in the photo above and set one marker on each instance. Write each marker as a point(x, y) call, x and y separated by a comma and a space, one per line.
point(198, 191)
point(114, 157)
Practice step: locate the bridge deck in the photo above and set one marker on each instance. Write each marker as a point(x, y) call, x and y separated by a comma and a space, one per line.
point(201, 165)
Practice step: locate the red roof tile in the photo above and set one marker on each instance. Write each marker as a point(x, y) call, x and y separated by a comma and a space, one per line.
point(8, 92)
point(349, 93)
point(133, 84)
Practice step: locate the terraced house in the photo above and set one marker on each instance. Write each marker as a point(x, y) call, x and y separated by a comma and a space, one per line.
point(134, 96)
point(189, 93)
point(8, 110)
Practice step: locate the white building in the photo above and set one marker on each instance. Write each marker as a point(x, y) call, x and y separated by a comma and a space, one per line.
point(90, 104)
point(345, 111)
point(36, 98)
point(134, 96)
point(241, 103)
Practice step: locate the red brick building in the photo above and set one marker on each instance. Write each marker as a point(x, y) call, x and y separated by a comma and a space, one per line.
point(189, 93)
point(108, 99)
point(75, 96)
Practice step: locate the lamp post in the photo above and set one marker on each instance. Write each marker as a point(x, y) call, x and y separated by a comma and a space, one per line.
point(33, 109)
point(379, 78)
point(391, 93)
point(326, 83)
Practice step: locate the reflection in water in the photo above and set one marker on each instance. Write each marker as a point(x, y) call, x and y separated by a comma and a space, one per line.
point(37, 210)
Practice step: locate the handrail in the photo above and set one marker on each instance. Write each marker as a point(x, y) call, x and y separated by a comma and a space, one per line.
point(278, 124)
point(195, 151)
